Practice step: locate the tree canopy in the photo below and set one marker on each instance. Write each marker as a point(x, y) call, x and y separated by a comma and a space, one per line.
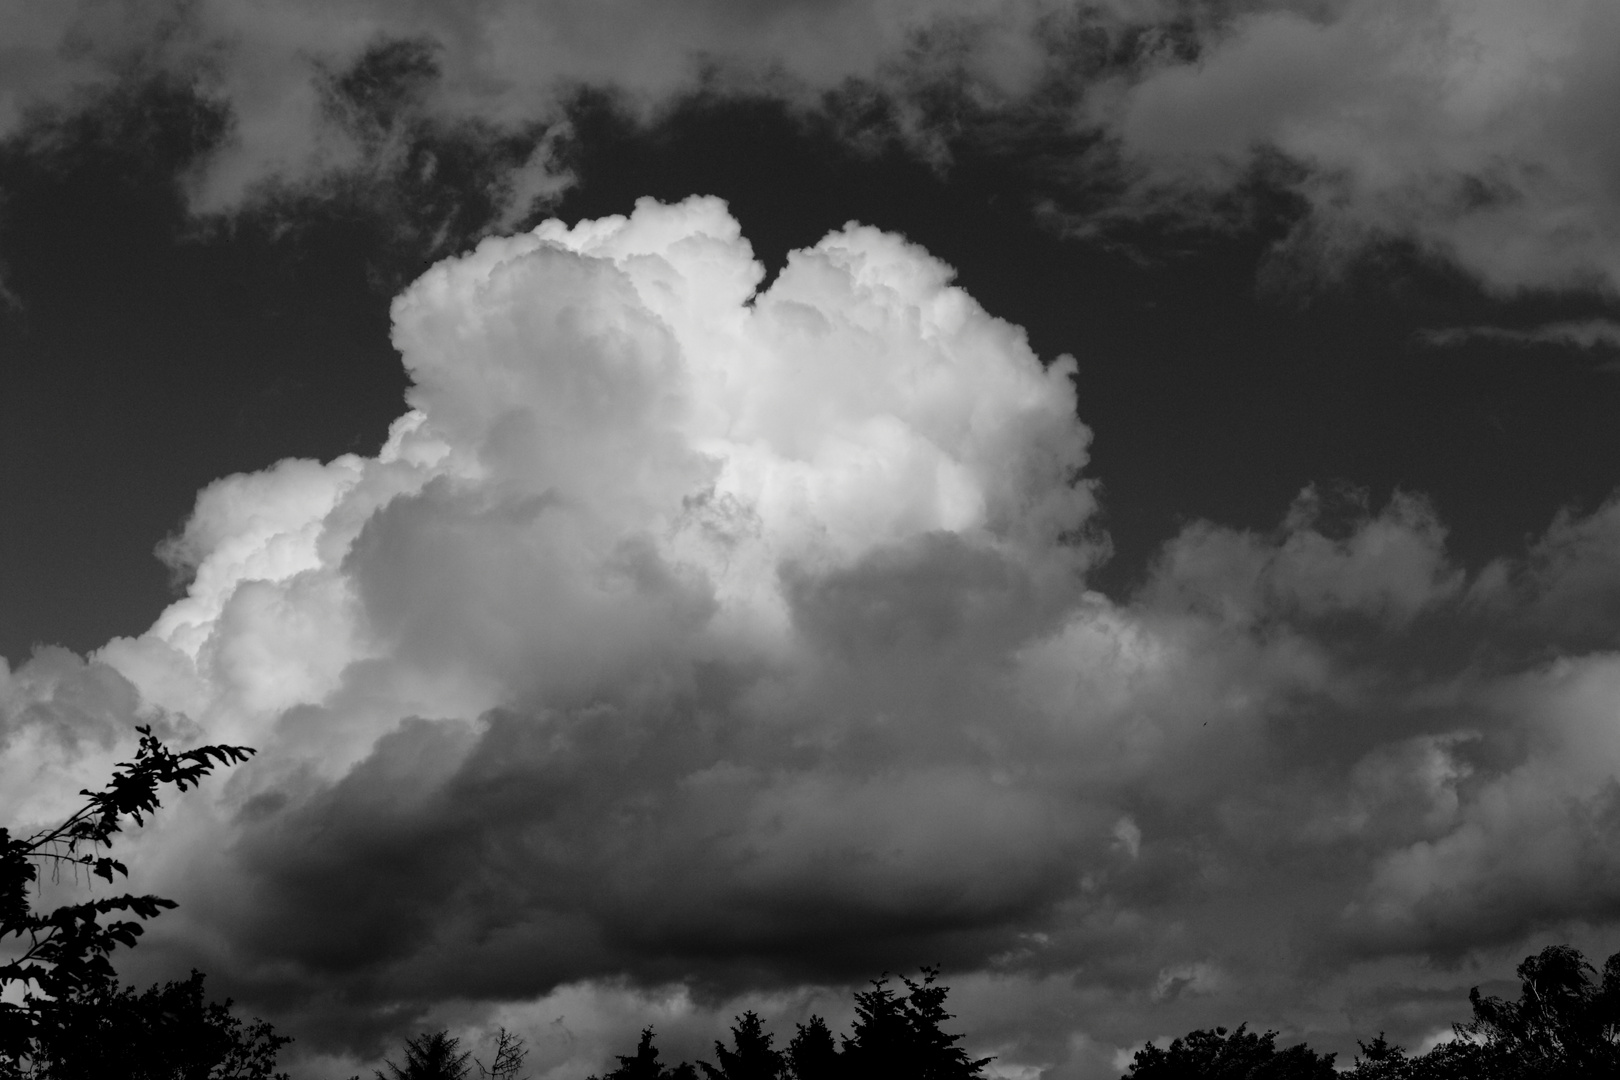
point(1565, 1025)
point(67, 1016)
point(1236, 1055)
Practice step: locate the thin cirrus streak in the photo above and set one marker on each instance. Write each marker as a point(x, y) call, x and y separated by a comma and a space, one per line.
point(714, 644)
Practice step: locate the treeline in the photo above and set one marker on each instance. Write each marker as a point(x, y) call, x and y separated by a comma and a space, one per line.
point(894, 1035)
point(65, 1016)
point(1564, 1026)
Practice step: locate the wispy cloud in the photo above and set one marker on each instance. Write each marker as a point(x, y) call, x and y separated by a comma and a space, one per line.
point(1588, 334)
point(1477, 132)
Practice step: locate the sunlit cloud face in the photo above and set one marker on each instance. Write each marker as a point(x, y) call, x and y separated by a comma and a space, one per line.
point(697, 606)
point(693, 638)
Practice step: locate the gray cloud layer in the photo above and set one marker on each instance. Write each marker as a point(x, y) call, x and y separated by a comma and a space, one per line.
point(1477, 131)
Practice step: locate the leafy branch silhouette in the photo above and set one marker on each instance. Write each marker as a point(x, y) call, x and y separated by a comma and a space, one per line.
point(68, 948)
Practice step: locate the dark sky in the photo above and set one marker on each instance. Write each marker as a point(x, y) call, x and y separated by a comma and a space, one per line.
point(633, 634)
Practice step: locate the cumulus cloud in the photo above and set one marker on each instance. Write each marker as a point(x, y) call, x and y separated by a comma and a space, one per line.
point(1389, 567)
point(693, 646)
point(665, 576)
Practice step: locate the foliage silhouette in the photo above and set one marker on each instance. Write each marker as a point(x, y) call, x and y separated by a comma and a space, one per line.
point(509, 1055)
point(753, 1058)
point(812, 1055)
point(64, 978)
point(1565, 1026)
point(430, 1057)
point(644, 1064)
point(897, 1036)
point(1563, 1022)
point(1223, 1055)
point(169, 1032)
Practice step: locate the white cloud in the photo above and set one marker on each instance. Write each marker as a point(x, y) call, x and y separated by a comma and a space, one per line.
point(631, 492)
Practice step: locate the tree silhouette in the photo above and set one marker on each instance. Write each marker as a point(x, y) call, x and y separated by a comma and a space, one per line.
point(63, 973)
point(1564, 1026)
point(1565, 1023)
point(1238, 1055)
point(898, 1036)
point(1380, 1059)
point(895, 1037)
point(937, 1054)
point(509, 1055)
point(644, 1064)
point(753, 1058)
point(166, 1033)
point(877, 1046)
point(812, 1055)
point(430, 1057)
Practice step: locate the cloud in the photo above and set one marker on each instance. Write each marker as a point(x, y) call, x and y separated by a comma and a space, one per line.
point(1530, 846)
point(661, 580)
point(1474, 130)
point(692, 642)
point(410, 102)
point(1586, 334)
point(1390, 567)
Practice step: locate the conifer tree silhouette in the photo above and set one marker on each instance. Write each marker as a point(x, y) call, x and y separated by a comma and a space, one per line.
point(753, 1058)
point(644, 1064)
point(812, 1055)
point(898, 1036)
point(430, 1057)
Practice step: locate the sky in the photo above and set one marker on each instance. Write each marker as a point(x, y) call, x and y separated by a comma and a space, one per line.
point(698, 504)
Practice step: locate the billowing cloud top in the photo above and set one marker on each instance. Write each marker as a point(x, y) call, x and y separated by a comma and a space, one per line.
point(688, 633)
point(661, 581)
